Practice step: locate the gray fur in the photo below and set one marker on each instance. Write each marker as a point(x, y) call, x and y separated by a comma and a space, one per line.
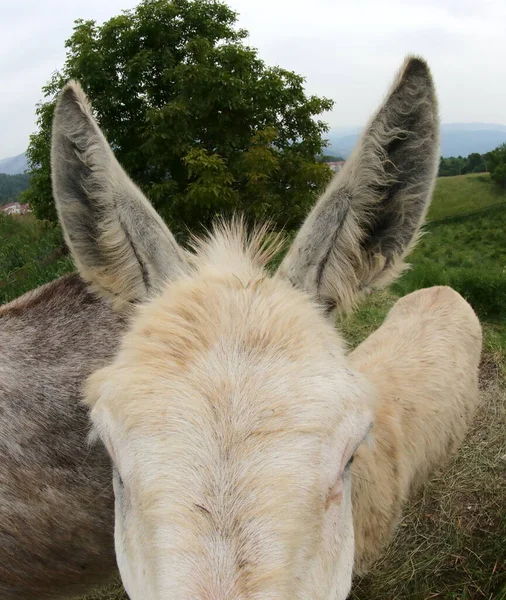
point(119, 242)
point(358, 233)
point(56, 499)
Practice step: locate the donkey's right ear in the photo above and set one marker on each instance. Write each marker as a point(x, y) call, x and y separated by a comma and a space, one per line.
point(119, 243)
point(356, 237)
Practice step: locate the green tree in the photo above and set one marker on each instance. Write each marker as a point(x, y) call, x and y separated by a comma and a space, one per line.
point(328, 158)
point(450, 166)
point(475, 163)
point(11, 187)
point(201, 124)
point(496, 163)
point(457, 165)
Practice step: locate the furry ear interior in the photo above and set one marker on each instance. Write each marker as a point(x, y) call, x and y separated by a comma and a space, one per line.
point(357, 235)
point(119, 243)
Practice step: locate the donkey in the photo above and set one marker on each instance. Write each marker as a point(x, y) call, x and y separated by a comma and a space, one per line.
point(230, 412)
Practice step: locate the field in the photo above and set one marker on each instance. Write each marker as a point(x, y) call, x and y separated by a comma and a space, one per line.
point(451, 543)
point(29, 255)
point(463, 194)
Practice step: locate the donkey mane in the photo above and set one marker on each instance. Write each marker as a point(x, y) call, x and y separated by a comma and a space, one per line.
point(232, 246)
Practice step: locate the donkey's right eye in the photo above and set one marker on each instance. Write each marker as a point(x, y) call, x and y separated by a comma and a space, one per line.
point(350, 462)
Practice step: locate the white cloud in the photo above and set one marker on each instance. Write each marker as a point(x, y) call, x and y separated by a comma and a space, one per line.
point(348, 51)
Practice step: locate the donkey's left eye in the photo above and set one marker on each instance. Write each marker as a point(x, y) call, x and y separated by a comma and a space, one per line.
point(350, 462)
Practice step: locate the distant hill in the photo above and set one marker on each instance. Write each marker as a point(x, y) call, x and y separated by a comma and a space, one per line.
point(14, 165)
point(457, 139)
point(11, 187)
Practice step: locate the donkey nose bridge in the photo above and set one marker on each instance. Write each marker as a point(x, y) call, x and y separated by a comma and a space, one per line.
point(245, 596)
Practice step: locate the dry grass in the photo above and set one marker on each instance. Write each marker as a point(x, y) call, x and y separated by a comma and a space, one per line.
point(114, 592)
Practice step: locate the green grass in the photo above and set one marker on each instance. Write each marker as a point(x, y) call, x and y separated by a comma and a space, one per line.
point(452, 542)
point(463, 194)
point(469, 254)
point(26, 247)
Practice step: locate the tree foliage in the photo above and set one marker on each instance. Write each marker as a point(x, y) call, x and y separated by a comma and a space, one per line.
point(458, 165)
point(329, 158)
point(11, 187)
point(497, 165)
point(201, 124)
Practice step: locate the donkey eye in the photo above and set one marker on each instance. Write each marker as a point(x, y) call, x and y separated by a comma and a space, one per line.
point(350, 462)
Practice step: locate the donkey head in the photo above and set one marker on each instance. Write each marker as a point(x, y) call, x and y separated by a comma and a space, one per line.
point(229, 412)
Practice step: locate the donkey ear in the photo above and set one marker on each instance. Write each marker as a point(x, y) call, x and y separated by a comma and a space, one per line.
point(359, 232)
point(119, 242)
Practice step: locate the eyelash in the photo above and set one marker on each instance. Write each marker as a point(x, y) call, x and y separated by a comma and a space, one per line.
point(349, 463)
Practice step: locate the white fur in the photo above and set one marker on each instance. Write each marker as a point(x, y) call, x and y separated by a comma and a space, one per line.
point(230, 437)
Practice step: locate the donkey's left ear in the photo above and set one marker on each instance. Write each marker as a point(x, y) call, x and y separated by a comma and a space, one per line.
point(119, 243)
point(359, 232)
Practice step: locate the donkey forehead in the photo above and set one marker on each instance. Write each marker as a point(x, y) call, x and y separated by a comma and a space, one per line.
point(252, 354)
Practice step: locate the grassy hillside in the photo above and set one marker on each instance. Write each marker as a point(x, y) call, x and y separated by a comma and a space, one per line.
point(468, 254)
point(28, 255)
point(452, 542)
point(463, 194)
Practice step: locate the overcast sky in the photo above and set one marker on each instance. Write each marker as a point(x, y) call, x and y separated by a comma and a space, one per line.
point(348, 50)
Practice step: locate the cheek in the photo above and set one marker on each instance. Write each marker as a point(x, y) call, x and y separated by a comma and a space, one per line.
point(335, 495)
point(124, 543)
point(121, 554)
point(131, 548)
point(345, 559)
point(128, 557)
point(120, 540)
point(340, 491)
point(344, 544)
point(338, 518)
point(332, 579)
